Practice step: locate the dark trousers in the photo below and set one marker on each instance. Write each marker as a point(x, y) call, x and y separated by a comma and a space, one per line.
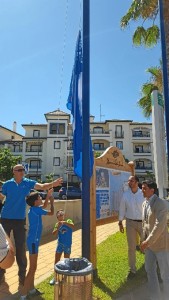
point(19, 233)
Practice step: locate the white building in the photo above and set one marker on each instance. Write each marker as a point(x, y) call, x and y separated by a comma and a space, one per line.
point(47, 148)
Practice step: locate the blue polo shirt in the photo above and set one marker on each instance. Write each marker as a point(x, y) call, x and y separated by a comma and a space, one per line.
point(65, 235)
point(35, 214)
point(15, 204)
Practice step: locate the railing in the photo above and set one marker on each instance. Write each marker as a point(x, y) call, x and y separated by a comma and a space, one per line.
point(70, 148)
point(145, 134)
point(100, 149)
point(35, 167)
point(142, 151)
point(119, 134)
point(33, 150)
point(143, 168)
point(100, 132)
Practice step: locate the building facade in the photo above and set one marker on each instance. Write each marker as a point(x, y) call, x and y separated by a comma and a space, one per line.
point(48, 148)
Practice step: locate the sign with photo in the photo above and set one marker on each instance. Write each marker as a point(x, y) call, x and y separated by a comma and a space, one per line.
point(112, 173)
point(110, 185)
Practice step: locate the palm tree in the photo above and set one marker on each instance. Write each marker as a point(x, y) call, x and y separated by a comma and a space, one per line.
point(147, 10)
point(143, 10)
point(155, 83)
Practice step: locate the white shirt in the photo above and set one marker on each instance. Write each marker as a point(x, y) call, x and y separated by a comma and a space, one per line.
point(131, 205)
point(4, 246)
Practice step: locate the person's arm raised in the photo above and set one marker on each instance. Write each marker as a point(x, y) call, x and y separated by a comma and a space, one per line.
point(47, 186)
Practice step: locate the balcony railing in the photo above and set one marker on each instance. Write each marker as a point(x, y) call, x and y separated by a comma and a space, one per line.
point(139, 134)
point(33, 150)
point(119, 135)
point(99, 149)
point(100, 132)
point(142, 151)
point(35, 167)
point(143, 167)
point(70, 148)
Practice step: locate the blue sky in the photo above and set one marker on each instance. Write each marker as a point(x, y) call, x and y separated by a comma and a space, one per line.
point(37, 45)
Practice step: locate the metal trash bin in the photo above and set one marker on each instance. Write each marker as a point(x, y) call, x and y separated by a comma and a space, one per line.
point(73, 279)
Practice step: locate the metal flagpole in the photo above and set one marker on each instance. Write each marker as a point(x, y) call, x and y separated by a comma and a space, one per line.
point(165, 73)
point(86, 133)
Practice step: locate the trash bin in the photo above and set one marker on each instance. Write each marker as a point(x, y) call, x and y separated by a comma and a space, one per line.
point(73, 279)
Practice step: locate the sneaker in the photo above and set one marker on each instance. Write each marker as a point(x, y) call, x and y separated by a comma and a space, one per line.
point(35, 292)
point(131, 275)
point(52, 281)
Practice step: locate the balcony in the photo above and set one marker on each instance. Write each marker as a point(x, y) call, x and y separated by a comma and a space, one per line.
point(70, 148)
point(29, 149)
point(119, 135)
point(144, 152)
point(99, 132)
point(140, 134)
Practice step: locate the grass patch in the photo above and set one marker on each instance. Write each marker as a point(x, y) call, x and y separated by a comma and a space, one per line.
point(112, 269)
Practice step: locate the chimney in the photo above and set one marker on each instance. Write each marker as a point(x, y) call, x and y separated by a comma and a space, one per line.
point(14, 126)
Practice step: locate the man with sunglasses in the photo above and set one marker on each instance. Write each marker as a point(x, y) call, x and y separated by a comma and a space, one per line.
point(13, 214)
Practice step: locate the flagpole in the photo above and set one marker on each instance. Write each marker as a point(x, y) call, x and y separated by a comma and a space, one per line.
point(165, 70)
point(86, 132)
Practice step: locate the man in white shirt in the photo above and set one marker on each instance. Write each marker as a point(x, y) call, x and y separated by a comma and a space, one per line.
point(6, 250)
point(131, 209)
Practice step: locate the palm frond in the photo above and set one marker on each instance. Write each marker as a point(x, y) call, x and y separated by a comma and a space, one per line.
point(139, 36)
point(152, 36)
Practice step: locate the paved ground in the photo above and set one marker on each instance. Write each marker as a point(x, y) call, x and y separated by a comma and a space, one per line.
point(46, 258)
point(9, 290)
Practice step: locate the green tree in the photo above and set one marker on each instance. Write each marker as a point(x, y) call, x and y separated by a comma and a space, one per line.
point(7, 161)
point(148, 33)
point(49, 177)
point(155, 83)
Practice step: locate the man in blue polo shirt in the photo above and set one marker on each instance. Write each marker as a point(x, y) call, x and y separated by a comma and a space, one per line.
point(13, 214)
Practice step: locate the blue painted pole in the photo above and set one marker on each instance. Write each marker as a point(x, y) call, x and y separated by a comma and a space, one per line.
point(86, 133)
point(165, 72)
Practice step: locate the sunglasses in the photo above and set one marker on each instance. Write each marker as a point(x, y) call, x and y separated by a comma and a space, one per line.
point(20, 170)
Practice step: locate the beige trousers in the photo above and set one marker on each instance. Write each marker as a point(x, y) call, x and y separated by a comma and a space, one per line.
point(132, 229)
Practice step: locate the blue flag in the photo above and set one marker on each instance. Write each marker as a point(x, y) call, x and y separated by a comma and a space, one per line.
point(74, 103)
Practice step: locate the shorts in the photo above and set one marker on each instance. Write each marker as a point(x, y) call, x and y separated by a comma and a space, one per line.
point(62, 248)
point(33, 247)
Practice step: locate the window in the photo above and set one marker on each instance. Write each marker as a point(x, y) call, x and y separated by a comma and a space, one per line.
point(57, 144)
point(98, 146)
point(97, 130)
point(35, 148)
point(35, 164)
point(139, 149)
point(57, 128)
point(36, 133)
point(118, 132)
point(139, 164)
point(17, 148)
point(56, 161)
point(119, 145)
